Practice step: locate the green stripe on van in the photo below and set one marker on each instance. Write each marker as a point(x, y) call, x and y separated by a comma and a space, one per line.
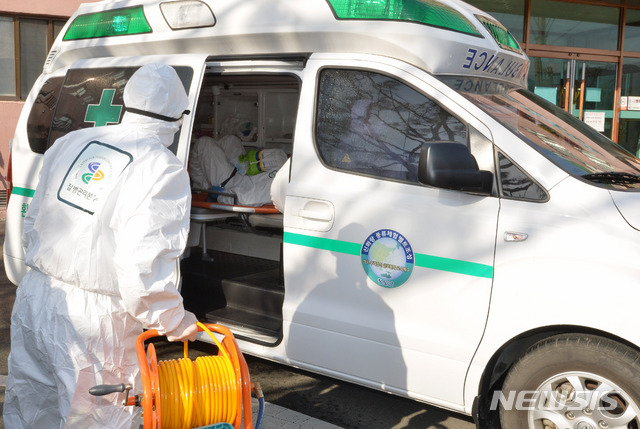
point(425, 261)
point(25, 192)
point(454, 266)
point(323, 243)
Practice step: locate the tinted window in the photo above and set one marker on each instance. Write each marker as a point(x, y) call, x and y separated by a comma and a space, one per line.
point(41, 115)
point(516, 184)
point(568, 142)
point(88, 98)
point(372, 124)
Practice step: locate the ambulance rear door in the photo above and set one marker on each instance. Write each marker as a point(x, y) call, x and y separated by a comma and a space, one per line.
point(388, 281)
point(101, 82)
point(88, 94)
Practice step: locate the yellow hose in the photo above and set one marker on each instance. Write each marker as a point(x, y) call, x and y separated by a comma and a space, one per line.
point(198, 393)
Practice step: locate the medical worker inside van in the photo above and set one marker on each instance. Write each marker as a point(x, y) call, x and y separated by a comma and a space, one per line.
point(232, 174)
point(103, 235)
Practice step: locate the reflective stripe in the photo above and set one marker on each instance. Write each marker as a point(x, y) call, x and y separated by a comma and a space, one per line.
point(424, 261)
point(22, 191)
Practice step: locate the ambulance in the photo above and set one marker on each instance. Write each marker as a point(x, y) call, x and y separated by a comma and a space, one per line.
point(445, 235)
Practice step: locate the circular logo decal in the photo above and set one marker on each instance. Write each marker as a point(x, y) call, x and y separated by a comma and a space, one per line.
point(387, 258)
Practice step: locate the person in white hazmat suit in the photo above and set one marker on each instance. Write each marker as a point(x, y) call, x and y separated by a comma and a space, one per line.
point(103, 234)
point(213, 165)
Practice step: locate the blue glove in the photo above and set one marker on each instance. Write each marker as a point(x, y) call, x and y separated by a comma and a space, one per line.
point(213, 193)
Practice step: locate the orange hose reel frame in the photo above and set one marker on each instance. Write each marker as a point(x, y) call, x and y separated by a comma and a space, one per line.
point(148, 363)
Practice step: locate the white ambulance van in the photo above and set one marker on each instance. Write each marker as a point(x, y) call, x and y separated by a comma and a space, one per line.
point(446, 235)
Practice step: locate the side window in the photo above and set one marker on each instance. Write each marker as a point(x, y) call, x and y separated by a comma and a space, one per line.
point(87, 98)
point(41, 115)
point(373, 124)
point(90, 98)
point(516, 184)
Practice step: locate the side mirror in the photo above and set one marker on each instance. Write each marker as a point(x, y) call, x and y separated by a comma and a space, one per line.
point(450, 165)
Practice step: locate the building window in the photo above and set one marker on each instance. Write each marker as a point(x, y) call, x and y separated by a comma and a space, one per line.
point(35, 37)
point(632, 31)
point(7, 58)
point(629, 136)
point(566, 24)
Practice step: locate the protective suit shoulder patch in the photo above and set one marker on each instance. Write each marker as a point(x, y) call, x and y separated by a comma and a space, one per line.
point(92, 176)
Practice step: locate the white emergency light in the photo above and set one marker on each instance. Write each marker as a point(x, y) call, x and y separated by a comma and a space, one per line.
point(187, 14)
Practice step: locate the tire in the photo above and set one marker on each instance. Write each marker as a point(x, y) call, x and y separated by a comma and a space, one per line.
point(572, 381)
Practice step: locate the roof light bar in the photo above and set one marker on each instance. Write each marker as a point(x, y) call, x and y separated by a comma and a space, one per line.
point(187, 14)
point(116, 22)
point(429, 12)
point(500, 34)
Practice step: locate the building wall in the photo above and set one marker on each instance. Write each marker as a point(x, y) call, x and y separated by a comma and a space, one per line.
point(61, 8)
point(9, 112)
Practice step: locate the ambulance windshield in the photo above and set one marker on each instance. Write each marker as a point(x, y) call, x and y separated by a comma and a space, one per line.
point(571, 144)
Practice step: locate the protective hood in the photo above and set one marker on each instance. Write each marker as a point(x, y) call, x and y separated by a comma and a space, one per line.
point(155, 89)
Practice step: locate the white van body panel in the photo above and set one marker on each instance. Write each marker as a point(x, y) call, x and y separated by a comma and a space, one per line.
point(557, 276)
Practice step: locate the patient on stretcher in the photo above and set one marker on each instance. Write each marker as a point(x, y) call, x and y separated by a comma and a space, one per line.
point(224, 167)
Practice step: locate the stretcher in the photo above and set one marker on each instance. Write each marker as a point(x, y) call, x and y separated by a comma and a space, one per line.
point(265, 209)
point(203, 212)
point(199, 200)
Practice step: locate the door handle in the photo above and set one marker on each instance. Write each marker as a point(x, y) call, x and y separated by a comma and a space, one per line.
point(315, 215)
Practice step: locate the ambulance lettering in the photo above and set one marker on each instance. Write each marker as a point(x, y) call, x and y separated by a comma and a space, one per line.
point(493, 64)
point(478, 86)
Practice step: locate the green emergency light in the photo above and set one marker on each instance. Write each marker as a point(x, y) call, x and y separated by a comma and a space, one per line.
point(116, 22)
point(429, 12)
point(500, 34)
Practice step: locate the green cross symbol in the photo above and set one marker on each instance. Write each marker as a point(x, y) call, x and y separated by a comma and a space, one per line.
point(105, 112)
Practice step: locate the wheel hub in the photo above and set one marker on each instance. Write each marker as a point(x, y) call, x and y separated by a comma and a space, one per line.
point(582, 401)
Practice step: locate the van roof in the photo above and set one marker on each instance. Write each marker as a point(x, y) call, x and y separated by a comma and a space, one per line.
point(441, 37)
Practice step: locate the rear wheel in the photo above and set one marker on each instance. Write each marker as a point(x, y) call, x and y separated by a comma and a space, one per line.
point(573, 382)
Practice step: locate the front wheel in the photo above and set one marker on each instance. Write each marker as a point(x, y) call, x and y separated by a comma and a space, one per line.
point(572, 381)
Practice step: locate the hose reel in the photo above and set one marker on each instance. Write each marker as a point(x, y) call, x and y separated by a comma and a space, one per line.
point(211, 392)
